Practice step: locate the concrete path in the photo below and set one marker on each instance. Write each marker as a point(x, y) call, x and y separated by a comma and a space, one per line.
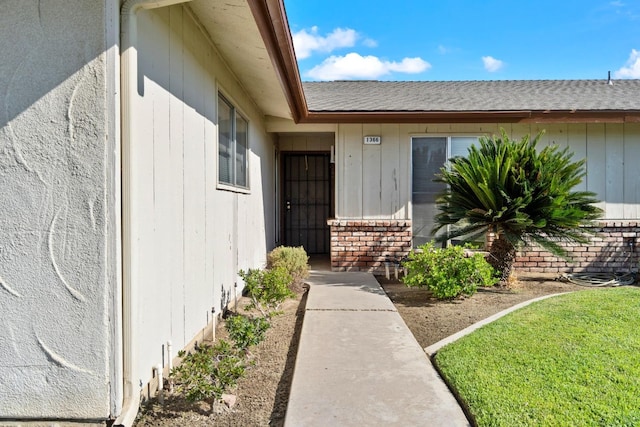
point(359, 365)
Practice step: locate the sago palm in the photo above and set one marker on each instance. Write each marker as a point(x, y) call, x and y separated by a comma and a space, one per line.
point(520, 194)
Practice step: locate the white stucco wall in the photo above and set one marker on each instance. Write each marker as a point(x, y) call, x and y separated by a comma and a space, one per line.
point(374, 181)
point(58, 214)
point(192, 237)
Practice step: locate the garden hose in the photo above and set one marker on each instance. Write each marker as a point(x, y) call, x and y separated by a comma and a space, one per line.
point(600, 279)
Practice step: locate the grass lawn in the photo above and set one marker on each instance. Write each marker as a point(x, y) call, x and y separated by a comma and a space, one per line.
point(572, 360)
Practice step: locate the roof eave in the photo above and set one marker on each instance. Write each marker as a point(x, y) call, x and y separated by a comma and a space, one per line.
point(586, 116)
point(271, 19)
point(414, 116)
point(518, 116)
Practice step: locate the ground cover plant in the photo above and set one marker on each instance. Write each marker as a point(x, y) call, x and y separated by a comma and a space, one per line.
point(568, 360)
point(211, 370)
point(267, 288)
point(208, 371)
point(448, 272)
point(246, 331)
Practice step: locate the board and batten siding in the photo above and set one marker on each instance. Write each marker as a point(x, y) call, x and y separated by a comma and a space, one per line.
point(374, 181)
point(373, 191)
point(193, 237)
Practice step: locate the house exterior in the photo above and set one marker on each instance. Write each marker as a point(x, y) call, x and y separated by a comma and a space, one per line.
point(385, 194)
point(151, 149)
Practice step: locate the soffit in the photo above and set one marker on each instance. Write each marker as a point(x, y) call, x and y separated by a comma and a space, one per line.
point(234, 33)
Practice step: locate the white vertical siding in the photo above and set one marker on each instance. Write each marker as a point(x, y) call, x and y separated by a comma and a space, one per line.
point(197, 294)
point(631, 177)
point(519, 130)
point(145, 147)
point(175, 192)
point(555, 133)
point(596, 161)
point(577, 141)
point(371, 173)
point(614, 170)
point(370, 189)
point(193, 237)
point(351, 185)
point(391, 173)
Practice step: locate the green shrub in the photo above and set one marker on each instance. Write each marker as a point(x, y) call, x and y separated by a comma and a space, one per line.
point(246, 332)
point(267, 288)
point(294, 260)
point(447, 272)
point(208, 371)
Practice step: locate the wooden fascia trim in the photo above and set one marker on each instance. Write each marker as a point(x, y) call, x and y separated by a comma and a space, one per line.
point(574, 116)
point(416, 117)
point(271, 19)
point(472, 117)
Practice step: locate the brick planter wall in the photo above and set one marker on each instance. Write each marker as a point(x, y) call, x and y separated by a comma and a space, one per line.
point(608, 252)
point(365, 245)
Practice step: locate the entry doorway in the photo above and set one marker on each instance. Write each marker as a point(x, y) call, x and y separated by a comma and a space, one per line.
point(306, 203)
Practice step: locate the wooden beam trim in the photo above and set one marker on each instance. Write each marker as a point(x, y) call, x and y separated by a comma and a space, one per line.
point(469, 117)
point(271, 19)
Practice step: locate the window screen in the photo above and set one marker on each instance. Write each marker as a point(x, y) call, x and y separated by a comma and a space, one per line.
point(225, 142)
point(428, 156)
point(233, 145)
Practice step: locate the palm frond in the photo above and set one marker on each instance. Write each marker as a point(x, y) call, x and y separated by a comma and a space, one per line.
point(522, 193)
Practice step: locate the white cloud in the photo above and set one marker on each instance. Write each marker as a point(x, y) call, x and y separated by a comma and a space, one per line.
point(492, 64)
point(443, 50)
point(355, 66)
point(306, 42)
point(632, 68)
point(370, 43)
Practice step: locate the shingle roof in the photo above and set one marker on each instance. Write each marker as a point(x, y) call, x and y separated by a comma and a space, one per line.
point(460, 96)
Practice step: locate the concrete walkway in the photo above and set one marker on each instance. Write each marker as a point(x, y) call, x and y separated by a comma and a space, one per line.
point(359, 365)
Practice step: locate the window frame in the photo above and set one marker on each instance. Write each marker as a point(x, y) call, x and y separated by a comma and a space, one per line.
point(232, 148)
point(449, 138)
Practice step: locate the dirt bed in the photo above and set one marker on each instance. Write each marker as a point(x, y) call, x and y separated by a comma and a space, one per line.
point(263, 392)
point(431, 320)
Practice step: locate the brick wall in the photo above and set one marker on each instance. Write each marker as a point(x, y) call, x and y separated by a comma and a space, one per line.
point(365, 245)
point(608, 251)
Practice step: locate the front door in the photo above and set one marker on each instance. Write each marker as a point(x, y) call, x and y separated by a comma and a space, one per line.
point(306, 201)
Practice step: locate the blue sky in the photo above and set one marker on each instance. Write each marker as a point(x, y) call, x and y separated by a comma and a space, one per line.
point(465, 39)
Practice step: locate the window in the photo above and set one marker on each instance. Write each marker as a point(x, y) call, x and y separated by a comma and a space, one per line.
point(233, 138)
point(428, 155)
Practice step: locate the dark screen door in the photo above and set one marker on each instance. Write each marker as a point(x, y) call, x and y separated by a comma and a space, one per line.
point(307, 201)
